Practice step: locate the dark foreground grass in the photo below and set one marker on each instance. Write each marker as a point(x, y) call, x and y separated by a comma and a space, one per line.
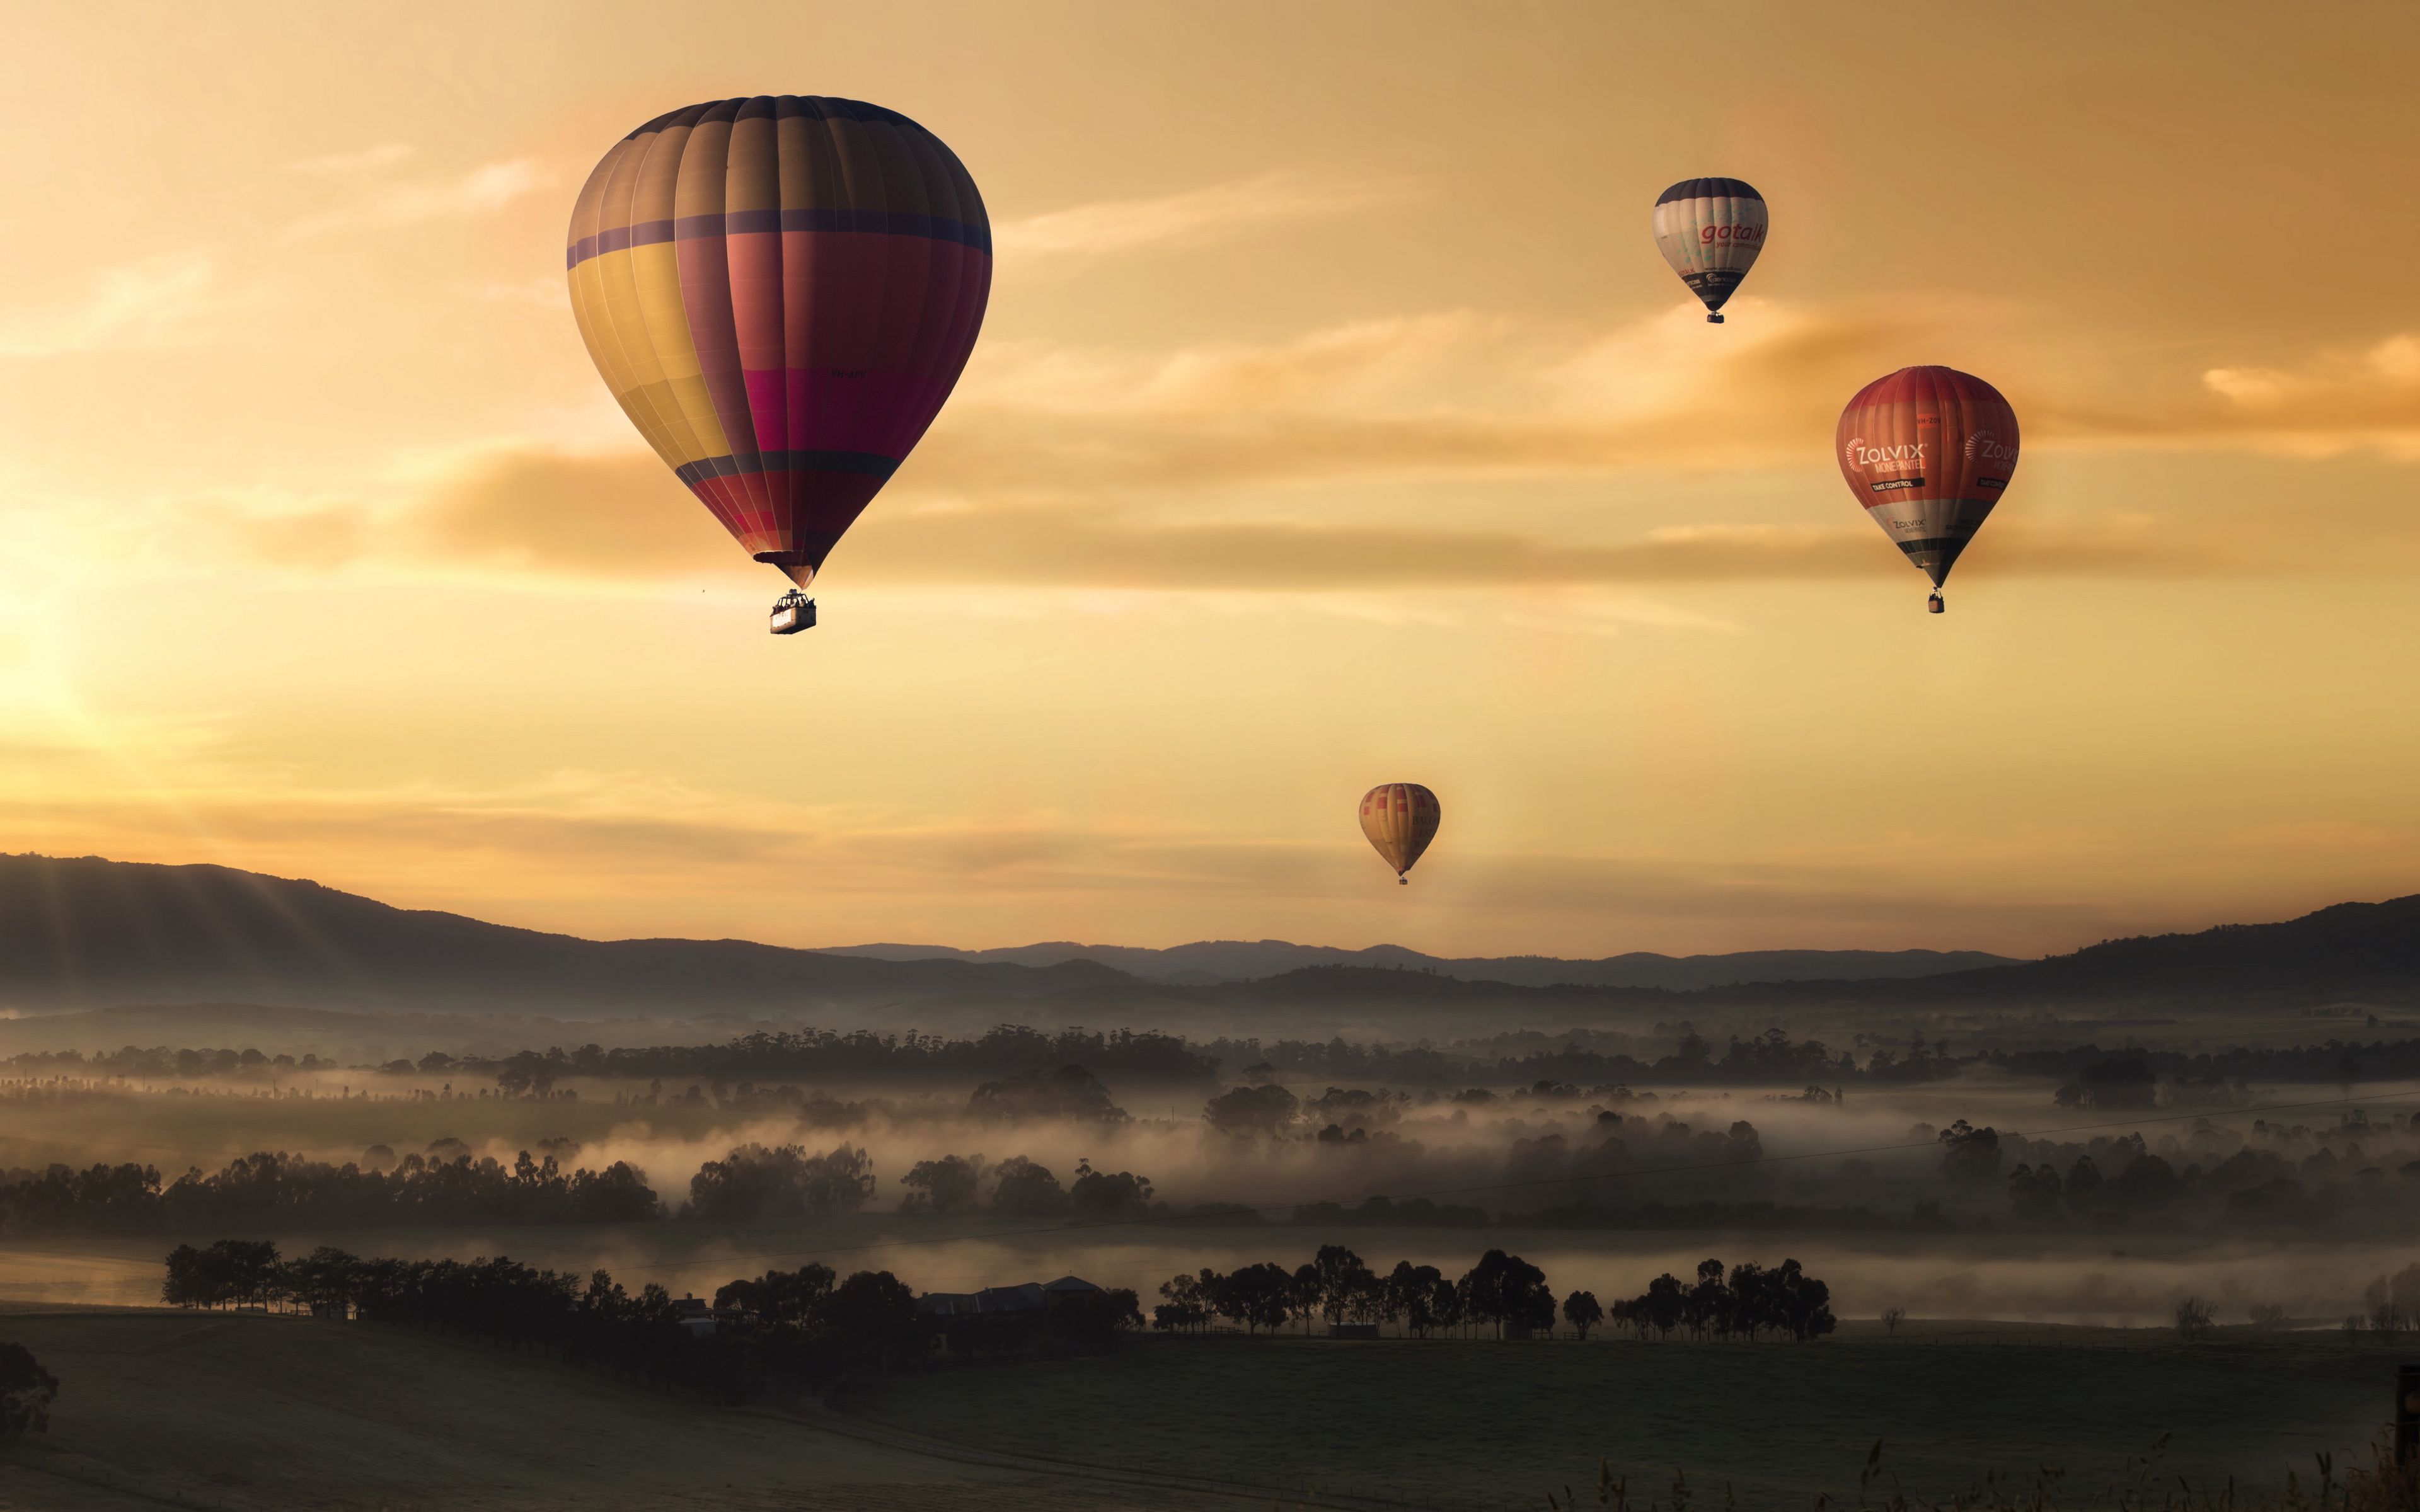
point(1482, 1424)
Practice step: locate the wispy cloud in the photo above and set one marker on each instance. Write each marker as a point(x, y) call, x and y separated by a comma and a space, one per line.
point(1210, 468)
point(481, 191)
point(1106, 229)
point(153, 301)
point(344, 164)
point(2369, 397)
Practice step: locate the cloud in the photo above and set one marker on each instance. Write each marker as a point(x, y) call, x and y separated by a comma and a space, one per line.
point(344, 165)
point(1212, 467)
point(2333, 401)
point(1106, 229)
point(153, 301)
point(481, 191)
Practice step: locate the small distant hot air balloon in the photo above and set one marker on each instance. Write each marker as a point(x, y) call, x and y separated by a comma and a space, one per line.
point(1400, 818)
point(781, 292)
point(1927, 450)
point(1710, 230)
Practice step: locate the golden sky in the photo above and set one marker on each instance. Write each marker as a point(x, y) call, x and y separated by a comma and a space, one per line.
point(1335, 422)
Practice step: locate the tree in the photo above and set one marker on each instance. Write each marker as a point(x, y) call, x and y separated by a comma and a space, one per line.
point(1024, 1189)
point(873, 1315)
point(2122, 1082)
point(1252, 1110)
point(1188, 1301)
point(1070, 1094)
point(1446, 1303)
point(1969, 1154)
point(1411, 1295)
point(1257, 1296)
point(1504, 1289)
point(1893, 1316)
point(2194, 1318)
point(778, 1297)
point(2268, 1315)
point(1101, 1195)
point(2084, 1184)
point(1305, 1291)
point(1582, 1311)
point(2034, 1192)
point(757, 1185)
point(26, 1391)
point(950, 1184)
point(1344, 1282)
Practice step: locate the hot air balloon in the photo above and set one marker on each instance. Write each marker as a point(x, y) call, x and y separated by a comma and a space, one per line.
point(1400, 818)
point(1927, 450)
point(781, 292)
point(1710, 230)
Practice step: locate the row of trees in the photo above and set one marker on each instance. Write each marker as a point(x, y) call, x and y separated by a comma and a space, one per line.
point(753, 1184)
point(804, 1329)
point(1748, 1303)
point(2088, 1076)
point(1502, 1293)
point(276, 1190)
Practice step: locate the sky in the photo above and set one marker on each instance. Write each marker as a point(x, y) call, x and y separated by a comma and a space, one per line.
point(1335, 422)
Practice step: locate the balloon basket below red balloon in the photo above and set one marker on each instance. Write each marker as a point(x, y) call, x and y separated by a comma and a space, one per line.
point(792, 613)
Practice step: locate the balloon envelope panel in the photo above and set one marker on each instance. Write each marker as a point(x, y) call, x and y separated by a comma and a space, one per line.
point(1399, 819)
point(1711, 230)
point(1927, 451)
point(781, 292)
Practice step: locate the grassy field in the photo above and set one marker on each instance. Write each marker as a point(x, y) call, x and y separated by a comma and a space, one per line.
point(1480, 1423)
point(250, 1414)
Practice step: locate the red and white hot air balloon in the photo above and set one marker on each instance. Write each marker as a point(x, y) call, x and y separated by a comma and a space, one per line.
point(1927, 450)
point(1710, 230)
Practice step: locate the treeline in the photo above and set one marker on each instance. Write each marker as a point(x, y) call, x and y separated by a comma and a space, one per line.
point(863, 1056)
point(1785, 1302)
point(1147, 1056)
point(1502, 1294)
point(273, 1190)
point(448, 1186)
point(1774, 1059)
point(785, 1329)
point(160, 1063)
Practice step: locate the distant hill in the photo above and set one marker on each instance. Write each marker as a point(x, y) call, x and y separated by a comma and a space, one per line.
point(1207, 962)
point(88, 931)
point(2349, 951)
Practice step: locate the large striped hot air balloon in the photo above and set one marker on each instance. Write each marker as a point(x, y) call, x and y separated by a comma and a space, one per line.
point(1400, 818)
point(781, 292)
point(1710, 230)
point(1927, 450)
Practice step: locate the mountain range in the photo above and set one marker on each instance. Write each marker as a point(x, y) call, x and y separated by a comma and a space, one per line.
point(1207, 963)
point(88, 933)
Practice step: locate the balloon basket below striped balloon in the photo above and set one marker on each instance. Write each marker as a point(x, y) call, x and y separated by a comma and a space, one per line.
point(792, 613)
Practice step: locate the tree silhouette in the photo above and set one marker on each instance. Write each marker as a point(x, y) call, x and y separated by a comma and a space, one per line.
point(1027, 1190)
point(1582, 1311)
point(950, 1184)
point(26, 1391)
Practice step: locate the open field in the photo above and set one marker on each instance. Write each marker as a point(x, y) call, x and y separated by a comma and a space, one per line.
point(1468, 1423)
point(252, 1414)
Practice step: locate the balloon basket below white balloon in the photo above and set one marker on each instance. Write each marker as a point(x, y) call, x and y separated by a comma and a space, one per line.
point(1713, 317)
point(1934, 605)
